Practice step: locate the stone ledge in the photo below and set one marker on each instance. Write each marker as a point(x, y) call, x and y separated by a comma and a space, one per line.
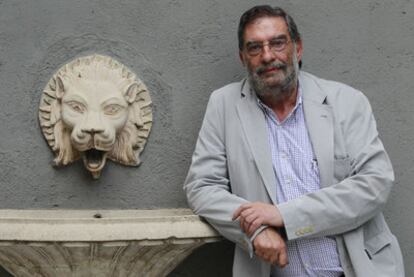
point(113, 225)
point(99, 242)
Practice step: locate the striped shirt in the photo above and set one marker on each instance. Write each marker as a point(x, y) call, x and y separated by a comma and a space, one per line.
point(297, 172)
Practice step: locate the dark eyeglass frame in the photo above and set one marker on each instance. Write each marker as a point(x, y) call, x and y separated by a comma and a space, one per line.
point(277, 44)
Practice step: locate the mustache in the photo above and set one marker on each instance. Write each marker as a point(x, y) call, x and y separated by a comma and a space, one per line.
point(277, 65)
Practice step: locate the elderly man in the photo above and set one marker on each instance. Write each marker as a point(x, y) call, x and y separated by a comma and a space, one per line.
point(290, 166)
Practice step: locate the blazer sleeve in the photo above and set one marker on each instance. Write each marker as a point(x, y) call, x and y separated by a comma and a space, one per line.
point(363, 191)
point(207, 185)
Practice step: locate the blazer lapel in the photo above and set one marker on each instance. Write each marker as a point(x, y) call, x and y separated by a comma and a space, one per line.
point(319, 121)
point(254, 126)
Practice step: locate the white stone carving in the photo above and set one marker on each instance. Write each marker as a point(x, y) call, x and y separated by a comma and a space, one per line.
point(75, 243)
point(95, 108)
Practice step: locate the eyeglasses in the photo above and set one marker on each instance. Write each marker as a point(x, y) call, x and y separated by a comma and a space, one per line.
point(275, 45)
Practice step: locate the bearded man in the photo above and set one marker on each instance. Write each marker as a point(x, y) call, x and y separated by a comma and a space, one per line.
point(290, 166)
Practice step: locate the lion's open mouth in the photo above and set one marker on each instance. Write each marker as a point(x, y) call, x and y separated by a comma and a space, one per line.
point(94, 159)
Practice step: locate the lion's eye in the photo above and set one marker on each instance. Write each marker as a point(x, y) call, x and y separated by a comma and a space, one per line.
point(76, 106)
point(113, 109)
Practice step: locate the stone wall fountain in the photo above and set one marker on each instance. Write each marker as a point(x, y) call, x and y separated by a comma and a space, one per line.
point(94, 109)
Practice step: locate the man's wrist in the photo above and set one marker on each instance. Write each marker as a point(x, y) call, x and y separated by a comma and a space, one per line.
point(278, 217)
point(257, 232)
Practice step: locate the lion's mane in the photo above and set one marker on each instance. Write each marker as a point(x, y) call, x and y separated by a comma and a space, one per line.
point(129, 142)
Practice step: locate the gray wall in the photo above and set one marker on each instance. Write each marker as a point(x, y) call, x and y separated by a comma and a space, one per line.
point(183, 50)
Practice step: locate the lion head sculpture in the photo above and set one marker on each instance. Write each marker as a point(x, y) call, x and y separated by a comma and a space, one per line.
point(95, 108)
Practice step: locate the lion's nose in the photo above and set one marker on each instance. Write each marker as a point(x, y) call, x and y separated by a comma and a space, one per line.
point(92, 131)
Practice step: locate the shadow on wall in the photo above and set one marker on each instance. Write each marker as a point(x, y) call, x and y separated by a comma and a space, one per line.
point(212, 259)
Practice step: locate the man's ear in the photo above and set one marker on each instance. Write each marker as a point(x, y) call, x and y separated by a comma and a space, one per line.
point(299, 50)
point(242, 58)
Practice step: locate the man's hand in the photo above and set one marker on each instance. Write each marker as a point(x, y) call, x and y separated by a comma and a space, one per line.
point(271, 247)
point(253, 215)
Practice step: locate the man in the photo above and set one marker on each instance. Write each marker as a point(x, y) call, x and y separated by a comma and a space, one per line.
point(289, 166)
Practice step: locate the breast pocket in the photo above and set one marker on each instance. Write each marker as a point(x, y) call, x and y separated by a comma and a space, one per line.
point(342, 168)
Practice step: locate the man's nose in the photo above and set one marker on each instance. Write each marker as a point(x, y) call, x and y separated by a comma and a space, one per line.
point(267, 54)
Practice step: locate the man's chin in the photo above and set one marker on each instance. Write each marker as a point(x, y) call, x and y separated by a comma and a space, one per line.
point(278, 82)
point(267, 83)
point(272, 78)
point(271, 83)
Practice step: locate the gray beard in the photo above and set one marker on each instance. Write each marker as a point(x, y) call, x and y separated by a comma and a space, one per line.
point(280, 90)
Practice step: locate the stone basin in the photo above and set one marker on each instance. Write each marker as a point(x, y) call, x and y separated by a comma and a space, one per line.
point(99, 242)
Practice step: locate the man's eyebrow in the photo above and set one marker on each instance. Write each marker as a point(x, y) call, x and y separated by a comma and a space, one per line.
point(282, 36)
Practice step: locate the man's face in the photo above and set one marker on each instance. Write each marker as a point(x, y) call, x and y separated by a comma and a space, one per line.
point(274, 68)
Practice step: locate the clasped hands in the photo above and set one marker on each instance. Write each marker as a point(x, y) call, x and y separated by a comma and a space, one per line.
point(268, 244)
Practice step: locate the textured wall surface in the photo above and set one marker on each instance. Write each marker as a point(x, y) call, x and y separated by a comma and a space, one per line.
point(182, 50)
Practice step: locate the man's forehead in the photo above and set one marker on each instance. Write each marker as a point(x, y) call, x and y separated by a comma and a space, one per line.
point(264, 26)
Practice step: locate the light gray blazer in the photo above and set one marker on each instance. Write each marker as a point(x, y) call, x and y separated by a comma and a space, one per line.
point(231, 165)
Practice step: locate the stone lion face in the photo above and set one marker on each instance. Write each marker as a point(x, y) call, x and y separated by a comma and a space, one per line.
point(95, 113)
point(94, 108)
